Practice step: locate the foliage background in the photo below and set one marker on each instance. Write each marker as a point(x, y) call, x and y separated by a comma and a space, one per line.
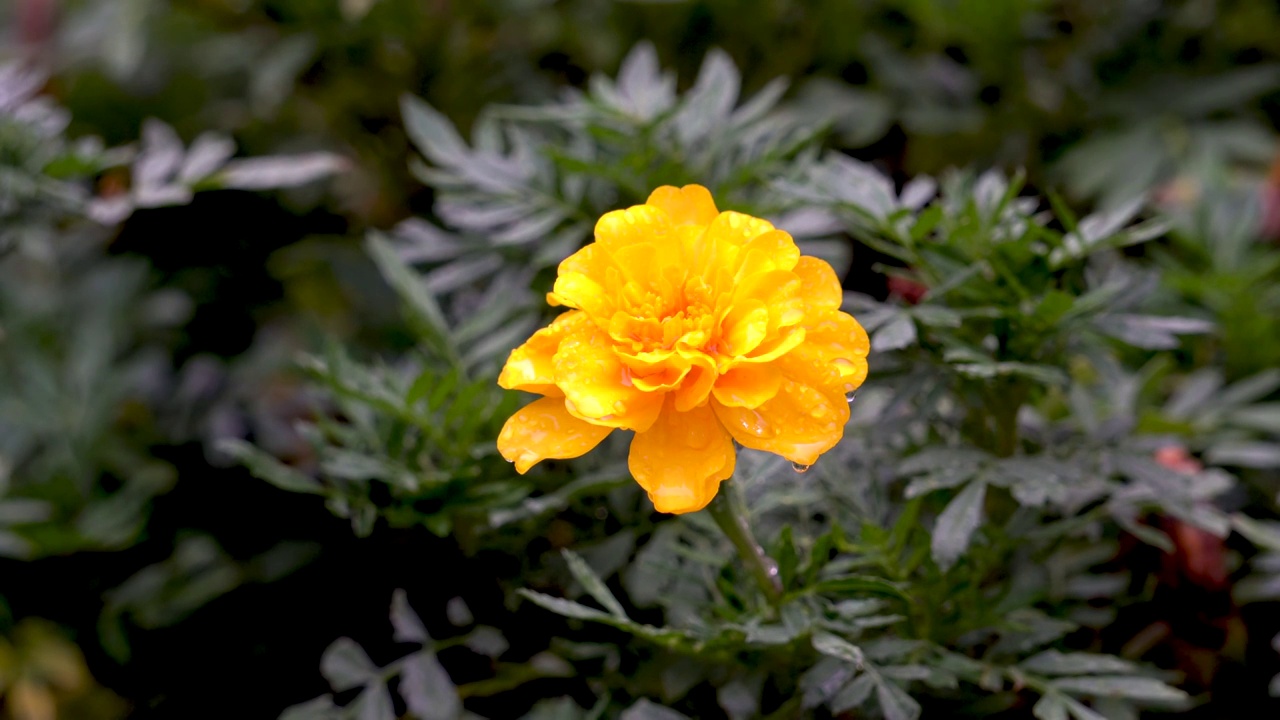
point(208, 586)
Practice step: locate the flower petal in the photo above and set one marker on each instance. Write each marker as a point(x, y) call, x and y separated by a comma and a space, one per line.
point(773, 349)
point(833, 356)
point(744, 328)
point(737, 228)
point(748, 386)
point(819, 286)
point(681, 460)
point(530, 368)
point(637, 224)
point(691, 204)
point(545, 429)
point(592, 379)
point(697, 384)
point(799, 423)
point(779, 290)
point(578, 290)
point(773, 250)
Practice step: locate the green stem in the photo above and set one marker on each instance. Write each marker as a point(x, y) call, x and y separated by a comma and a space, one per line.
point(730, 513)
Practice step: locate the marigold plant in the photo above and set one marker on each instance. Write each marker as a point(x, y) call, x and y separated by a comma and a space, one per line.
point(693, 328)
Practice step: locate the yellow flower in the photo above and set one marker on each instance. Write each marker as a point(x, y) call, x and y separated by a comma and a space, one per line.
point(693, 328)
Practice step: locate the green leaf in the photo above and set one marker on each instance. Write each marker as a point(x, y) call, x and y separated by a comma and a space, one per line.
point(859, 584)
point(706, 106)
point(645, 710)
point(432, 133)
point(321, 708)
point(955, 527)
point(896, 334)
point(1050, 706)
point(266, 467)
point(1141, 689)
point(567, 608)
point(1263, 533)
point(1246, 454)
point(1151, 332)
point(839, 648)
point(283, 171)
point(1053, 662)
point(422, 306)
point(853, 695)
point(345, 665)
point(593, 584)
point(895, 703)
point(427, 689)
point(374, 704)
point(408, 626)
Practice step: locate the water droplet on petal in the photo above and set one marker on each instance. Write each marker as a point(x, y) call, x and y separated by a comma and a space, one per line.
point(619, 406)
point(848, 397)
point(800, 468)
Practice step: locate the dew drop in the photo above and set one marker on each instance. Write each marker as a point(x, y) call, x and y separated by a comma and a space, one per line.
point(848, 397)
point(619, 406)
point(800, 468)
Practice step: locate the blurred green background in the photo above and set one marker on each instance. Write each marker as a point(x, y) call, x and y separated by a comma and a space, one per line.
point(200, 587)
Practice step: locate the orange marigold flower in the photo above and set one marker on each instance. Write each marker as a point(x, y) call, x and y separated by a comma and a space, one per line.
point(693, 328)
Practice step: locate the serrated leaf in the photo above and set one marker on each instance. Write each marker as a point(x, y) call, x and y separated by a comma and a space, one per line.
point(345, 665)
point(956, 524)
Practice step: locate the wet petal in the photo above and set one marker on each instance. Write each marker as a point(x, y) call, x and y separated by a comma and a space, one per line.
point(784, 343)
point(773, 250)
point(637, 224)
point(597, 385)
point(834, 354)
point(696, 386)
point(681, 460)
point(577, 290)
point(529, 367)
point(748, 386)
point(799, 423)
point(663, 377)
point(780, 291)
point(745, 327)
point(819, 286)
point(545, 429)
point(737, 228)
point(691, 204)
